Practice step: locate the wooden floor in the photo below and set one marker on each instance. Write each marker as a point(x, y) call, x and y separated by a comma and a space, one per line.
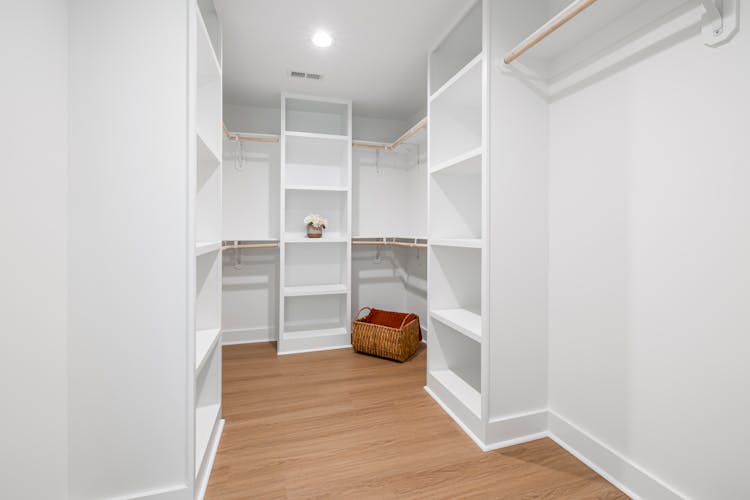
point(336, 424)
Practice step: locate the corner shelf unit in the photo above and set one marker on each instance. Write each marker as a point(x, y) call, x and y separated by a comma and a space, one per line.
point(206, 200)
point(457, 235)
point(316, 177)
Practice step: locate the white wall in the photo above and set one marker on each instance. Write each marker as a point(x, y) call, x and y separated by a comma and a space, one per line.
point(128, 359)
point(649, 269)
point(33, 215)
point(518, 176)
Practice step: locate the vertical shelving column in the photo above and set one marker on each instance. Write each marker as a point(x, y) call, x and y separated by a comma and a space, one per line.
point(457, 214)
point(315, 274)
point(206, 206)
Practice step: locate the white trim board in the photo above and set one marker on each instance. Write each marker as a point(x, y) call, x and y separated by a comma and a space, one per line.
point(251, 335)
point(625, 475)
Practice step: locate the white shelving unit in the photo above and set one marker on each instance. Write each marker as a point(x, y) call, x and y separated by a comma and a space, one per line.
point(316, 177)
point(205, 330)
point(457, 214)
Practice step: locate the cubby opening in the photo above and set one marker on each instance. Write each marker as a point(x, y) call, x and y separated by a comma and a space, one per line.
point(456, 116)
point(207, 292)
point(316, 162)
point(456, 206)
point(315, 316)
point(460, 46)
point(316, 117)
point(330, 205)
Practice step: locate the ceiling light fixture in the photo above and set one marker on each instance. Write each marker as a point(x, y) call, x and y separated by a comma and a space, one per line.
point(322, 39)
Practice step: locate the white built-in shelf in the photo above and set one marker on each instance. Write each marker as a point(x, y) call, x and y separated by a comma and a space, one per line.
point(207, 157)
point(463, 321)
point(205, 342)
point(306, 334)
point(299, 187)
point(205, 247)
point(314, 290)
point(460, 389)
point(327, 238)
point(466, 163)
point(456, 242)
point(208, 64)
point(471, 70)
point(311, 135)
point(206, 418)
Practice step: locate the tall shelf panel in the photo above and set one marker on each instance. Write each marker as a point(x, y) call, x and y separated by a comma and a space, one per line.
point(206, 202)
point(316, 177)
point(457, 225)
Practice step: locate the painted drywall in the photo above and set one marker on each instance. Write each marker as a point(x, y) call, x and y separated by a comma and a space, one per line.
point(33, 297)
point(128, 253)
point(518, 234)
point(649, 270)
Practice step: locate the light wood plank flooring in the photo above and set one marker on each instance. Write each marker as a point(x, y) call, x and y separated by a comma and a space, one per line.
point(337, 424)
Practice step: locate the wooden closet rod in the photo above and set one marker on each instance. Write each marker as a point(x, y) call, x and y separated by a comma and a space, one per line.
point(237, 137)
point(355, 144)
point(250, 245)
point(391, 244)
point(390, 147)
point(547, 29)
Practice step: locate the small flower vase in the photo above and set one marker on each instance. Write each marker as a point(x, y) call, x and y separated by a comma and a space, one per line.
point(313, 232)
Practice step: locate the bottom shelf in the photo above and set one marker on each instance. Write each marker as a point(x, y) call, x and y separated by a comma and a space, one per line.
point(465, 393)
point(306, 334)
point(206, 418)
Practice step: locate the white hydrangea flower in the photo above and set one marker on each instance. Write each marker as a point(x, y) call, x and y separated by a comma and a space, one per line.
point(316, 221)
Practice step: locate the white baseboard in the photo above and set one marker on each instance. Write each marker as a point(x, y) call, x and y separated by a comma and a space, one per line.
point(625, 475)
point(253, 335)
point(515, 429)
point(201, 482)
point(315, 349)
point(179, 492)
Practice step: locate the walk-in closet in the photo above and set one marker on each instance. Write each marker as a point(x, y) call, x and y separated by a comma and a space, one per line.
point(355, 249)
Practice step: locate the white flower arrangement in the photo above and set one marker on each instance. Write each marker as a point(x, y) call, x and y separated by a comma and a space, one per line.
point(316, 221)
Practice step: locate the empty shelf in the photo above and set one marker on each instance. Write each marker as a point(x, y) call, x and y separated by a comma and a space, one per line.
point(456, 242)
point(310, 135)
point(469, 397)
point(300, 187)
point(304, 334)
point(313, 290)
point(466, 163)
point(460, 78)
point(204, 247)
point(301, 238)
point(206, 418)
point(205, 342)
point(462, 320)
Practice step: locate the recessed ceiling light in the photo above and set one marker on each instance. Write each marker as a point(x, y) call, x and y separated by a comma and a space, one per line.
point(322, 39)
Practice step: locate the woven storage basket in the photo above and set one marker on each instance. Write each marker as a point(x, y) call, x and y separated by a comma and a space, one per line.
point(392, 343)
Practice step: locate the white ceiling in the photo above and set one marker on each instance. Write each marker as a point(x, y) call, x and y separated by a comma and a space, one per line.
point(378, 58)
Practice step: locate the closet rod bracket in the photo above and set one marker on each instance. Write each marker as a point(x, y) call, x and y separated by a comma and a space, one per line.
point(719, 21)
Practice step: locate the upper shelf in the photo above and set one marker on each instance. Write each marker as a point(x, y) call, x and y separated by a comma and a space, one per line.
point(589, 38)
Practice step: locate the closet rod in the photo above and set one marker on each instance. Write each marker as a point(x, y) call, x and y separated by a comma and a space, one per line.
point(237, 137)
point(390, 147)
point(361, 145)
point(547, 29)
point(250, 245)
point(391, 244)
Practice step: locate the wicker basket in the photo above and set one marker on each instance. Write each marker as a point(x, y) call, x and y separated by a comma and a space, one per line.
point(393, 343)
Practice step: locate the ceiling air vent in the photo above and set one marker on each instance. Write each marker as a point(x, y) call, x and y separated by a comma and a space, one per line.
point(304, 76)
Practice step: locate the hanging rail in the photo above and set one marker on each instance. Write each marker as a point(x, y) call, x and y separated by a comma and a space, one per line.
point(249, 138)
point(391, 243)
point(547, 29)
point(390, 147)
point(356, 144)
point(249, 246)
